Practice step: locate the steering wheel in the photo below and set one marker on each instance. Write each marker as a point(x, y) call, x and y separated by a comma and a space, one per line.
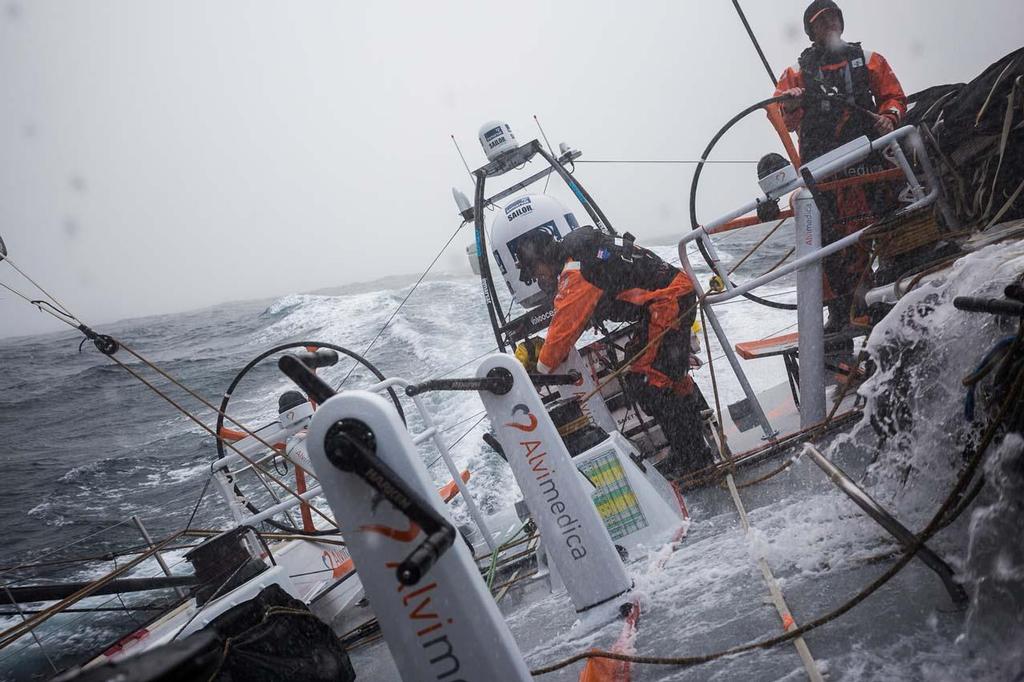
point(305, 345)
point(695, 224)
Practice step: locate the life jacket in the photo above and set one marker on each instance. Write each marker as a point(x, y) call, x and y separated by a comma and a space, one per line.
point(615, 265)
point(827, 124)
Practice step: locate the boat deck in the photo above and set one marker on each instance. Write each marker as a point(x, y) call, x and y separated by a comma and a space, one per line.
point(708, 593)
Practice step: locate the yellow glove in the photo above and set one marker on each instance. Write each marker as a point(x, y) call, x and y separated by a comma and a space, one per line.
point(528, 351)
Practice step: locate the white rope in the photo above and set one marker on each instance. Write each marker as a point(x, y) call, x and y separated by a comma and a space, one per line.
point(788, 623)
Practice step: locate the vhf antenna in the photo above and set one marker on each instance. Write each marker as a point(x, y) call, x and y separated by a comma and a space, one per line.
point(461, 156)
point(550, 150)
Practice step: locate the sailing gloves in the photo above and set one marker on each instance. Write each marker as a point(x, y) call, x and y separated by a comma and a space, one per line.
point(528, 351)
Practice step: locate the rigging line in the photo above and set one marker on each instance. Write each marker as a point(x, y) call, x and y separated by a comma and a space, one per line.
point(60, 306)
point(35, 636)
point(782, 260)
point(485, 353)
point(411, 291)
point(934, 526)
point(714, 385)
point(511, 303)
point(462, 421)
point(59, 315)
point(673, 325)
point(10, 635)
point(124, 551)
point(666, 161)
point(198, 501)
point(53, 310)
point(623, 368)
point(457, 440)
point(231, 446)
point(56, 313)
point(259, 439)
point(45, 307)
point(214, 596)
point(72, 543)
point(120, 598)
point(753, 39)
point(743, 300)
point(757, 246)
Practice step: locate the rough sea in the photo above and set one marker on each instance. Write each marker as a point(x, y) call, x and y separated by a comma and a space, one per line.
point(84, 446)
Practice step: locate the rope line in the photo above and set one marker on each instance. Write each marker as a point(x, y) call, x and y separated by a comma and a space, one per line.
point(259, 439)
point(232, 446)
point(934, 526)
point(457, 440)
point(758, 245)
point(396, 310)
point(62, 310)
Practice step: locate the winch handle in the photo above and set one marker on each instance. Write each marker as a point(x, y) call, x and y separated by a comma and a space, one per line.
point(993, 306)
point(497, 381)
point(351, 446)
point(321, 357)
point(571, 378)
point(296, 370)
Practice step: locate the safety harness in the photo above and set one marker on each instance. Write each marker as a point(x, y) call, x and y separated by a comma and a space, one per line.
point(829, 75)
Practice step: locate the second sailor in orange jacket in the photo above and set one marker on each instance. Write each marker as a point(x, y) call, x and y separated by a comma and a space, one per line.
point(841, 92)
point(598, 277)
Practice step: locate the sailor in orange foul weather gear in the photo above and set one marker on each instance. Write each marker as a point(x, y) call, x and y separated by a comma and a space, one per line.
point(597, 277)
point(845, 92)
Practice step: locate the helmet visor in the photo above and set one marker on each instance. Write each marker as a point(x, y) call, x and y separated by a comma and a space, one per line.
point(529, 251)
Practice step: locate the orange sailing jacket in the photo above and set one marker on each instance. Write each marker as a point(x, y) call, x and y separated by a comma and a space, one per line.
point(859, 76)
point(597, 282)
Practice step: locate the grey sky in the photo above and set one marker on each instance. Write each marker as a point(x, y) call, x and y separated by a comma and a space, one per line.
point(161, 156)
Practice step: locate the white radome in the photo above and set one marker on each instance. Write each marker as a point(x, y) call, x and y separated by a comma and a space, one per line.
point(496, 138)
point(522, 216)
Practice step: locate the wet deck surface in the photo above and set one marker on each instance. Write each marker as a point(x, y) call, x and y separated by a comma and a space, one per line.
point(709, 595)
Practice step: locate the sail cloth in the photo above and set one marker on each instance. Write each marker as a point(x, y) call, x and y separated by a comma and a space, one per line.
point(977, 129)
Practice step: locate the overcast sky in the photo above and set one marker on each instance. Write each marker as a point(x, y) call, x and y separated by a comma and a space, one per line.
point(163, 156)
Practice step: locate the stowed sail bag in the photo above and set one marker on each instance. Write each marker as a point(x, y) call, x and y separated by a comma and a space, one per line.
point(979, 131)
point(271, 638)
point(274, 637)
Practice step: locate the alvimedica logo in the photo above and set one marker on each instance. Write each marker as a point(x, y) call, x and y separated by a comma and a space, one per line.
point(429, 626)
point(421, 614)
point(530, 426)
point(536, 456)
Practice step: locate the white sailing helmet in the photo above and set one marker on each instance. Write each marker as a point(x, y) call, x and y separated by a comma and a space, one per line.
point(523, 216)
point(496, 138)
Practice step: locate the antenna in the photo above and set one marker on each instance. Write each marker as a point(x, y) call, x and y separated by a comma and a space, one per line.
point(461, 156)
point(550, 150)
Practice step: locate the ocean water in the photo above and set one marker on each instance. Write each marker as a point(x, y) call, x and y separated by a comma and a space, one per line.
point(85, 446)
